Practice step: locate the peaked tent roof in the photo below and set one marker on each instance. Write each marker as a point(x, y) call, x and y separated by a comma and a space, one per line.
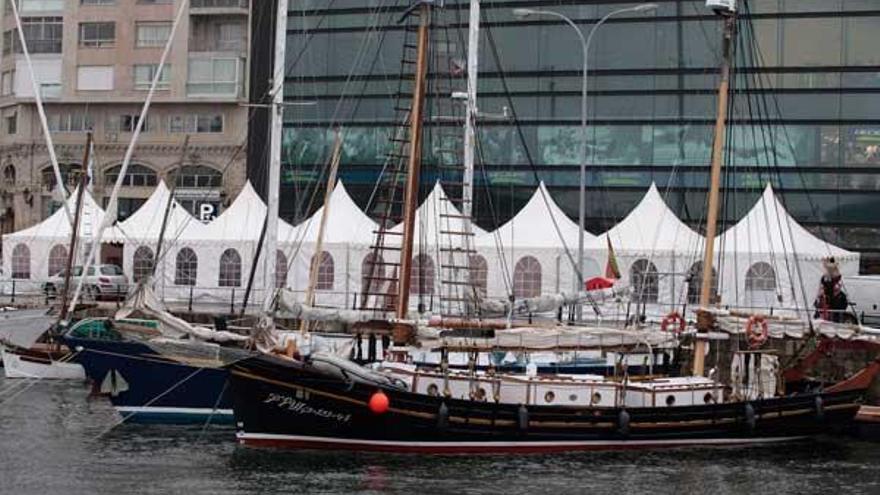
point(241, 221)
point(533, 227)
point(58, 226)
point(429, 217)
point(653, 227)
point(346, 223)
point(769, 228)
point(146, 222)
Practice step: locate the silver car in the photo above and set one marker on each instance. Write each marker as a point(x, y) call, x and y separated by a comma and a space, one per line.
point(101, 281)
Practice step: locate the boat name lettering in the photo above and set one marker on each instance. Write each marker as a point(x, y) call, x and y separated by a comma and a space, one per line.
point(300, 407)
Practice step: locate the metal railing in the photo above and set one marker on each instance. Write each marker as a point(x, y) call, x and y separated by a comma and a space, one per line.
point(218, 4)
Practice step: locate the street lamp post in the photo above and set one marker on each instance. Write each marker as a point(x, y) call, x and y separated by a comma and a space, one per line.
point(585, 45)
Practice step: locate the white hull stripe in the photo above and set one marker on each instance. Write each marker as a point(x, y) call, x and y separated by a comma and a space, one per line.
point(173, 410)
point(574, 444)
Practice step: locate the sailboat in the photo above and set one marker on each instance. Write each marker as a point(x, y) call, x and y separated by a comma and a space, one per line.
point(321, 401)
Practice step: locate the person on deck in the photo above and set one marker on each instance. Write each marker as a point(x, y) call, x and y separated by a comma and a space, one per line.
point(831, 301)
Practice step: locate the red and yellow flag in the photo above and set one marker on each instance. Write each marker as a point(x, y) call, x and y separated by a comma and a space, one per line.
point(611, 269)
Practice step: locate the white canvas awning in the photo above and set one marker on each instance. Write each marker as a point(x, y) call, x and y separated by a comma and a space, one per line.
point(146, 223)
point(57, 226)
point(436, 216)
point(346, 222)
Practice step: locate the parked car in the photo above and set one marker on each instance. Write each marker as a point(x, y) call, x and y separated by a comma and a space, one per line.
point(101, 281)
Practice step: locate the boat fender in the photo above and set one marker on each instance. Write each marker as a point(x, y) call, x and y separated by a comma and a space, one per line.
point(523, 417)
point(820, 408)
point(442, 417)
point(623, 423)
point(379, 402)
point(750, 416)
point(675, 320)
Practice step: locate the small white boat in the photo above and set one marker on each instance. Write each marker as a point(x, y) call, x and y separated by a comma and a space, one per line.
point(23, 357)
point(29, 365)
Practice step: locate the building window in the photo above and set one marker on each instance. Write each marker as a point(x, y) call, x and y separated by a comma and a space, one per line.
point(144, 74)
point(695, 283)
point(207, 123)
point(527, 278)
point(479, 274)
point(281, 268)
point(70, 122)
point(423, 275)
point(137, 176)
point(97, 34)
point(186, 267)
point(213, 76)
point(98, 2)
point(152, 34)
point(127, 123)
point(42, 34)
point(57, 259)
point(7, 82)
point(209, 35)
point(326, 271)
point(761, 277)
point(230, 269)
point(70, 174)
point(372, 273)
point(9, 175)
point(94, 78)
point(11, 123)
point(198, 177)
point(142, 265)
point(21, 262)
point(30, 6)
point(645, 281)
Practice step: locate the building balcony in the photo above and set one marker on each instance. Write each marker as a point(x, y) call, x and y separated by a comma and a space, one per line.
point(215, 7)
point(215, 75)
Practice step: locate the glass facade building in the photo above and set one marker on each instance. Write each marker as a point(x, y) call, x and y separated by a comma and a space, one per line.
point(806, 111)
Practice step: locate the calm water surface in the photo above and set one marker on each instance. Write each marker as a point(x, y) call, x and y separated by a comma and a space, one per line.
point(53, 440)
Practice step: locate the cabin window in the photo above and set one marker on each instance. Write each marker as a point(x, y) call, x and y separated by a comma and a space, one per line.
point(142, 265)
point(479, 273)
point(230, 269)
point(761, 277)
point(480, 394)
point(372, 268)
point(423, 275)
point(281, 267)
point(186, 268)
point(549, 397)
point(527, 278)
point(670, 400)
point(57, 259)
point(709, 398)
point(645, 281)
point(326, 271)
point(21, 262)
point(573, 397)
point(596, 398)
point(433, 390)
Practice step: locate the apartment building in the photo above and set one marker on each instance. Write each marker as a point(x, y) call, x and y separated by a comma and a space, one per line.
point(93, 62)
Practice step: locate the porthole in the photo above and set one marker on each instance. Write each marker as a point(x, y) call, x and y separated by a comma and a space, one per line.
point(433, 390)
point(670, 400)
point(573, 397)
point(597, 398)
point(709, 398)
point(480, 394)
point(549, 397)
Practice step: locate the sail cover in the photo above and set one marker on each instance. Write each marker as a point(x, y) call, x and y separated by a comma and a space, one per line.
point(23, 327)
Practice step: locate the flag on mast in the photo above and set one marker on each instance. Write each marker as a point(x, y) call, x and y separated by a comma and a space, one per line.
point(611, 269)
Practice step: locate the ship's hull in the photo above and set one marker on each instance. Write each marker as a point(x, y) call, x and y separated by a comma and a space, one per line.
point(26, 364)
point(156, 388)
point(280, 403)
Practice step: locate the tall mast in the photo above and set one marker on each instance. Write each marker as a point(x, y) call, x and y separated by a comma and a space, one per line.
point(704, 322)
point(274, 182)
point(473, 53)
point(74, 228)
point(413, 168)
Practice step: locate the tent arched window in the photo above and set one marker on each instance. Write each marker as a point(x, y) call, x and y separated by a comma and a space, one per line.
point(9, 175)
point(326, 273)
point(186, 267)
point(372, 270)
point(527, 278)
point(695, 282)
point(142, 264)
point(479, 274)
point(230, 269)
point(423, 275)
point(281, 267)
point(57, 259)
point(761, 277)
point(645, 281)
point(137, 175)
point(21, 262)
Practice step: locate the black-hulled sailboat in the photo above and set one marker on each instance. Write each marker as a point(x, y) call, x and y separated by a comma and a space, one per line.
point(321, 401)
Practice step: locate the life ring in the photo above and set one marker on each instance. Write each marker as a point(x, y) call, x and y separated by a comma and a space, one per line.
point(757, 337)
point(674, 319)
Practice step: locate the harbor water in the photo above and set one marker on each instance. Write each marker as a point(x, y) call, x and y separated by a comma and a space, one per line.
point(54, 439)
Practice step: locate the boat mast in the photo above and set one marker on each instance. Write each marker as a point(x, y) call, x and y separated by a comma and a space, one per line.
point(74, 228)
point(402, 334)
point(704, 320)
point(473, 53)
point(274, 182)
point(168, 204)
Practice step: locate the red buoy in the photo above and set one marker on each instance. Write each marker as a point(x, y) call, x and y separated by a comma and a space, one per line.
point(379, 402)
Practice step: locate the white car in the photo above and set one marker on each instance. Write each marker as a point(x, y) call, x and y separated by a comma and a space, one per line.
point(101, 281)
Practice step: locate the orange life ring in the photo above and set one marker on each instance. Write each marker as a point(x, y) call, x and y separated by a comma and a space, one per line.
point(757, 337)
point(671, 318)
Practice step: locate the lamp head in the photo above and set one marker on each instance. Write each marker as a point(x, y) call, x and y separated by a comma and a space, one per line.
point(645, 7)
point(522, 13)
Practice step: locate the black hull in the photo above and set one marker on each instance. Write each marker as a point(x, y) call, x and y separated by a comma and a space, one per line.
point(281, 403)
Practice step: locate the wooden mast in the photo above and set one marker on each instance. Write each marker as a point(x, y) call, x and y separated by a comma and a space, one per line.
point(168, 204)
point(74, 227)
point(704, 320)
point(402, 333)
